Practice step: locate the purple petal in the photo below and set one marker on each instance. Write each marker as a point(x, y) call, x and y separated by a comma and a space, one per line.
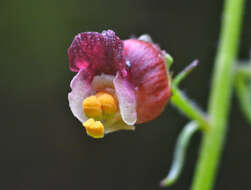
point(127, 99)
point(100, 52)
point(81, 88)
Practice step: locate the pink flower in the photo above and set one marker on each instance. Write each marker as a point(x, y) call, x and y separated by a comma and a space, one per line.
point(118, 83)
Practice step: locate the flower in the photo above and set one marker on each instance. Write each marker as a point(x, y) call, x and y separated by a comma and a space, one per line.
point(118, 83)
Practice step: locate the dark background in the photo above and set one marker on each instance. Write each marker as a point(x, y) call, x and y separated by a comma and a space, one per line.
point(44, 147)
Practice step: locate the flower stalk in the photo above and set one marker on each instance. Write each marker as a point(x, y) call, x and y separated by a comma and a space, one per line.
point(188, 108)
point(185, 105)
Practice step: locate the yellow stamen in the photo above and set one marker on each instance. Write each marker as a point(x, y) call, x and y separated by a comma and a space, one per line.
point(102, 106)
point(92, 107)
point(108, 103)
point(94, 128)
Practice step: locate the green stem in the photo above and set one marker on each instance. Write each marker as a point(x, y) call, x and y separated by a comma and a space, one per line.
point(219, 104)
point(188, 108)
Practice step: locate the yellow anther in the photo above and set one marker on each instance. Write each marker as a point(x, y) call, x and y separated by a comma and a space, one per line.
point(108, 103)
point(92, 107)
point(94, 128)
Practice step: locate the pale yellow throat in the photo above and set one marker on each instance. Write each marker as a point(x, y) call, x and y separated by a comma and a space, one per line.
point(98, 107)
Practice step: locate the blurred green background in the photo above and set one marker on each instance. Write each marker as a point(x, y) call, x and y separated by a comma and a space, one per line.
point(44, 147)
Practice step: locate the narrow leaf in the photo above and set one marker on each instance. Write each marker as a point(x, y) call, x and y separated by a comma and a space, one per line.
point(182, 75)
point(243, 88)
point(180, 153)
